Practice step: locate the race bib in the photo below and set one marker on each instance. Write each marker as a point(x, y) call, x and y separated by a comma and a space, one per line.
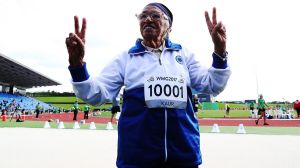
point(164, 91)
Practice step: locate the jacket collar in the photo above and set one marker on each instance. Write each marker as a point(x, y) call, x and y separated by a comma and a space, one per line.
point(139, 48)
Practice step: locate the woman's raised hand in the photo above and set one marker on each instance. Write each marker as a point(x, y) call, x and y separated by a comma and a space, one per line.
point(217, 31)
point(75, 44)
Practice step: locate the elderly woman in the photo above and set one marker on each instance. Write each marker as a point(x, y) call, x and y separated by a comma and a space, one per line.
point(157, 127)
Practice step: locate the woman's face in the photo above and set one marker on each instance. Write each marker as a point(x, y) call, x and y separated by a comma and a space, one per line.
point(153, 23)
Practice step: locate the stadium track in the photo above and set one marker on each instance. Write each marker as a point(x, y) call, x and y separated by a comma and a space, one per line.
point(68, 117)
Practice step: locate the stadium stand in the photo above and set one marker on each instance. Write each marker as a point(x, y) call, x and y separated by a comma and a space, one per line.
point(23, 102)
point(15, 76)
point(20, 76)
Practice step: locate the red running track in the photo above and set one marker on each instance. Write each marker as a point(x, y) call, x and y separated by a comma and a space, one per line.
point(68, 117)
point(250, 122)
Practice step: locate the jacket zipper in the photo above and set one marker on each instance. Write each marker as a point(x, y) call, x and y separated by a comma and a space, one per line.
point(166, 125)
point(159, 58)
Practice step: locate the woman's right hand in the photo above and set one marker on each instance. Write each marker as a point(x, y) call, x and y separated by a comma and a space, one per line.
point(75, 44)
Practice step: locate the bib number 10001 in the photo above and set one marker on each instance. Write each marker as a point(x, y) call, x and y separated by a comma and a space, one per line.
point(166, 90)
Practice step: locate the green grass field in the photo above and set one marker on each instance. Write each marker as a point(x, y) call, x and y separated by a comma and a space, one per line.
point(59, 102)
point(202, 113)
point(68, 106)
point(57, 99)
point(221, 113)
point(204, 129)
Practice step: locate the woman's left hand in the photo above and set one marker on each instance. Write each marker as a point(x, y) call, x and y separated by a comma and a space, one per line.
point(217, 32)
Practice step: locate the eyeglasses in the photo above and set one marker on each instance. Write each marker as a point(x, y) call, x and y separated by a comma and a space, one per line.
point(154, 16)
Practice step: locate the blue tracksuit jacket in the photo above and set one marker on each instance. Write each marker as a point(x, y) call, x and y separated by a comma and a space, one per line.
point(153, 137)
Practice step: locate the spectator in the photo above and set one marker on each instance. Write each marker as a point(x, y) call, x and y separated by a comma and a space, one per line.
point(86, 110)
point(75, 110)
point(297, 107)
point(252, 112)
point(115, 108)
point(3, 112)
point(17, 113)
point(261, 110)
point(196, 105)
point(227, 110)
point(269, 114)
point(38, 109)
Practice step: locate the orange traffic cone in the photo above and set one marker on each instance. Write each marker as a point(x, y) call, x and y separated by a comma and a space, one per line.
point(4, 118)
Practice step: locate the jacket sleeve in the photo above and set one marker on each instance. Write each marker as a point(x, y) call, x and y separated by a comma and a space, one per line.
point(208, 80)
point(100, 89)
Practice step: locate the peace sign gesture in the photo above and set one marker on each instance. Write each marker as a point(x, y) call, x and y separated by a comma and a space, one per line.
point(217, 32)
point(75, 44)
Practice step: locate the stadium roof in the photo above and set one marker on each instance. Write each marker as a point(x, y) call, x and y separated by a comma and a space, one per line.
point(14, 73)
